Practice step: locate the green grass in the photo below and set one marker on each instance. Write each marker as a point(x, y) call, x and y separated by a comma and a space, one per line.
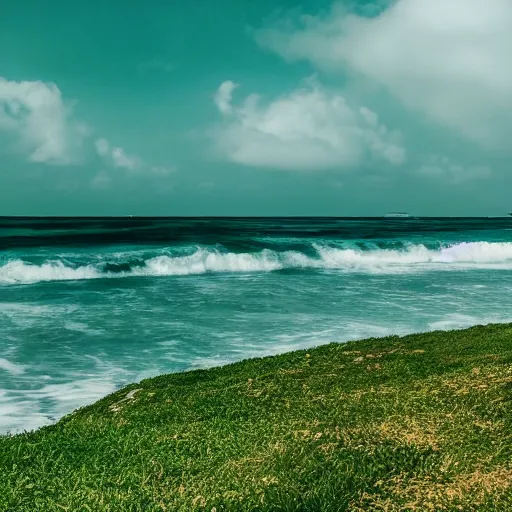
point(422, 422)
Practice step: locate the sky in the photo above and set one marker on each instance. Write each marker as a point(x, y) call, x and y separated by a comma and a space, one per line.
point(243, 108)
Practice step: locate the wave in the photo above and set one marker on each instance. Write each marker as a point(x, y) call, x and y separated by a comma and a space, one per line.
point(410, 258)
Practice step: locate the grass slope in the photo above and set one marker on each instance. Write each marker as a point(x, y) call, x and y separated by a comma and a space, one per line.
point(422, 422)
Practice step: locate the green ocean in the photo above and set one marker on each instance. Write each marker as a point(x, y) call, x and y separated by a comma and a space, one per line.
point(88, 305)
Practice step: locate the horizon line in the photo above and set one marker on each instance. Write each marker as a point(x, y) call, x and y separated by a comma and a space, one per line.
point(410, 217)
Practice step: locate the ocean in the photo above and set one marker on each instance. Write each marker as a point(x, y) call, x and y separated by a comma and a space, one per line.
point(89, 305)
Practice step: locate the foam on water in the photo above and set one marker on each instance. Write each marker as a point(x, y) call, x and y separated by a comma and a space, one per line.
point(83, 328)
point(29, 407)
point(463, 321)
point(18, 271)
point(10, 367)
point(410, 258)
point(22, 409)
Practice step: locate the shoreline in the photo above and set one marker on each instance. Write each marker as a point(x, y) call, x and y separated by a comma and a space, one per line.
point(358, 425)
point(268, 353)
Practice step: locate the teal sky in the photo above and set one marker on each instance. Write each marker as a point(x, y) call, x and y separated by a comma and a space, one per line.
point(118, 108)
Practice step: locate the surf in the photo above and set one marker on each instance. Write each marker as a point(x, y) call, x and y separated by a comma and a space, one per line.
point(204, 260)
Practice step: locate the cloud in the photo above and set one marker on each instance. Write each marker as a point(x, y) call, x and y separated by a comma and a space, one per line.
point(116, 156)
point(34, 112)
point(449, 60)
point(224, 95)
point(310, 128)
point(40, 123)
point(102, 147)
point(441, 166)
point(121, 159)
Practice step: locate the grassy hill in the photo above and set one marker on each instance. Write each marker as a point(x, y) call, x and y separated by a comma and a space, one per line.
point(422, 422)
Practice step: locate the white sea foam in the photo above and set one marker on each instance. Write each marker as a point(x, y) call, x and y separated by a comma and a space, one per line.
point(412, 258)
point(463, 321)
point(24, 410)
point(10, 367)
point(83, 328)
point(27, 315)
point(18, 271)
point(472, 253)
point(203, 261)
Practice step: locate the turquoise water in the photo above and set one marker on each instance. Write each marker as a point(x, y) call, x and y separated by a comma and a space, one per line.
point(89, 305)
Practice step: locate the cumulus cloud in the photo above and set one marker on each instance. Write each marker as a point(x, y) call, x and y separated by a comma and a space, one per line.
point(449, 60)
point(224, 95)
point(34, 112)
point(441, 166)
point(116, 156)
point(121, 159)
point(310, 128)
point(41, 126)
point(102, 147)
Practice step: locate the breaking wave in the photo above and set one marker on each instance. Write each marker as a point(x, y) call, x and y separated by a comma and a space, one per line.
point(409, 258)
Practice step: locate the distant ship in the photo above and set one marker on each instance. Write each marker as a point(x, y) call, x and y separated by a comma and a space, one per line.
point(398, 215)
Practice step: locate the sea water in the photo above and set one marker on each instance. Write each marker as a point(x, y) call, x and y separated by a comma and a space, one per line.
point(90, 305)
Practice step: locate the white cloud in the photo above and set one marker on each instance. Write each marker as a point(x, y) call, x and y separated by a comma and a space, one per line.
point(224, 95)
point(309, 129)
point(447, 59)
point(36, 115)
point(102, 147)
point(441, 166)
point(39, 122)
point(116, 156)
point(121, 159)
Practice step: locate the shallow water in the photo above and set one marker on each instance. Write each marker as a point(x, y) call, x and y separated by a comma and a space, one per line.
point(89, 305)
